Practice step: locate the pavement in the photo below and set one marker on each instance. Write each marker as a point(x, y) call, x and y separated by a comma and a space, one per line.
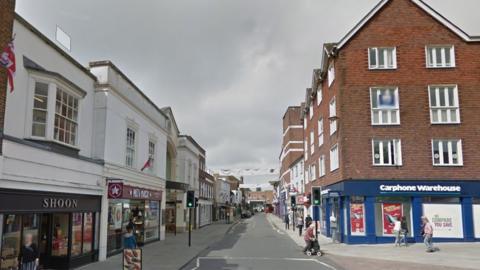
point(173, 252)
point(380, 256)
point(254, 244)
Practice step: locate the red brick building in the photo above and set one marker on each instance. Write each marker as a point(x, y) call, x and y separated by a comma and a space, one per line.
point(7, 9)
point(291, 159)
point(391, 127)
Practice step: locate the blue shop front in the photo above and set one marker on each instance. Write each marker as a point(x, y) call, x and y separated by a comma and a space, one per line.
point(364, 211)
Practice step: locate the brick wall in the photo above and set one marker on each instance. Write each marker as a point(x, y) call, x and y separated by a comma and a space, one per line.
point(291, 118)
point(7, 10)
point(390, 27)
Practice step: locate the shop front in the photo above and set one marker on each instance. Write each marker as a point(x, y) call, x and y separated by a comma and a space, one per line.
point(175, 212)
point(63, 226)
point(360, 211)
point(134, 206)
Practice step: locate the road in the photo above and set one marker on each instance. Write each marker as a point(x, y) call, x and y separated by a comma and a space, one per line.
point(254, 244)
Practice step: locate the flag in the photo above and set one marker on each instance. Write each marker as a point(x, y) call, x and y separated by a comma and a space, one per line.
point(147, 164)
point(7, 60)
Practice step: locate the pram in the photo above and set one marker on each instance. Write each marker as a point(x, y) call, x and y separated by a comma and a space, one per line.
point(314, 248)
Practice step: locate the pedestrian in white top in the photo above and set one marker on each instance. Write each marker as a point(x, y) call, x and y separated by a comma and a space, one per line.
point(397, 227)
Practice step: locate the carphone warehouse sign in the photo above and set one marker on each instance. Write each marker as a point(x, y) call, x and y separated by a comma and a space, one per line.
point(429, 188)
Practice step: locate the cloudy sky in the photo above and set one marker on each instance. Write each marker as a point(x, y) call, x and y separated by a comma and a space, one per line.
point(228, 68)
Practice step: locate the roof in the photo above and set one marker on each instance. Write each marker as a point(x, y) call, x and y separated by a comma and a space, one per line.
point(169, 112)
point(329, 49)
point(192, 140)
point(68, 57)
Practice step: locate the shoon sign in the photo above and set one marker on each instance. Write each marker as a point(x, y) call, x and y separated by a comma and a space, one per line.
point(420, 188)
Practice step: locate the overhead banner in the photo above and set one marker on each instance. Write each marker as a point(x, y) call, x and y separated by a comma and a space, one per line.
point(476, 220)
point(391, 212)
point(446, 219)
point(357, 220)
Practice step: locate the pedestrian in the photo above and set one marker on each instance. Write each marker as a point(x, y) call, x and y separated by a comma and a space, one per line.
point(404, 230)
point(397, 225)
point(309, 237)
point(129, 240)
point(300, 225)
point(287, 222)
point(333, 227)
point(308, 221)
point(427, 234)
point(28, 257)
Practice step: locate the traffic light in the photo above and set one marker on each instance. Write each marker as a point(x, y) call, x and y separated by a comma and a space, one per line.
point(190, 199)
point(316, 195)
point(293, 201)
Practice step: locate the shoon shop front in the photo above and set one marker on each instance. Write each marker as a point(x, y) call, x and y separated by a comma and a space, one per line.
point(63, 226)
point(364, 211)
point(137, 206)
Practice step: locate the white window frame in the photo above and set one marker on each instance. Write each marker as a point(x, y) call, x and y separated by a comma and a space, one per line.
point(133, 147)
point(442, 64)
point(441, 162)
point(313, 174)
point(397, 152)
point(320, 131)
point(319, 95)
point(334, 158)
point(312, 143)
point(395, 109)
point(331, 73)
point(310, 110)
point(74, 121)
point(438, 109)
point(321, 166)
point(332, 110)
point(151, 157)
point(46, 124)
point(386, 50)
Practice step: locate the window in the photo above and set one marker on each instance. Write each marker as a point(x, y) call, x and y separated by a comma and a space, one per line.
point(382, 58)
point(333, 116)
point(313, 175)
point(320, 132)
point(319, 95)
point(310, 110)
point(321, 166)
point(306, 148)
point(151, 155)
point(440, 56)
point(312, 142)
point(301, 167)
point(385, 106)
point(331, 73)
point(387, 152)
point(40, 100)
point(334, 158)
point(447, 152)
point(66, 115)
point(444, 108)
point(130, 156)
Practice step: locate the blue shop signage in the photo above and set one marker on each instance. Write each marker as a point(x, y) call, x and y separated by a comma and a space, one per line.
point(421, 189)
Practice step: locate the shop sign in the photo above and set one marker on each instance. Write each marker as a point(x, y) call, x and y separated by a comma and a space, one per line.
point(420, 188)
point(300, 199)
point(357, 220)
point(53, 203)
point(391, 212)
point(446, 219)
point(115, 190)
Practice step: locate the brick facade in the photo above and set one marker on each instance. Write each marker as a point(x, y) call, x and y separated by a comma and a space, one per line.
point(292, 144)
point(7, 8)
point(351, 87)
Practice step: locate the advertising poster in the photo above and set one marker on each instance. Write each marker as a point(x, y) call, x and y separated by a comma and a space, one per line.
point(476, 220)
point(391, 213)
point(446, 219)
point(357, 221)
point(132, 259)
point(117, 216)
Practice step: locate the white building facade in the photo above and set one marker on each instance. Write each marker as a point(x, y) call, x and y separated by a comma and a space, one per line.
point(130, 135)
point(51, 183)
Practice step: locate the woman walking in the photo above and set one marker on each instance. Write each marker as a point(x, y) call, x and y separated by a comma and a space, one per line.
point(28, 256)
point(427, 234)
point(300, 225)
point(403, 231)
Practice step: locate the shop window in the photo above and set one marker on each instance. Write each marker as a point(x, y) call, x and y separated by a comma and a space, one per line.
point(152, 220)
point(432, 199)
point(40, 101)
point(77, 222)
point(10, 241)
point(476, 217)
point(388, 211)
point(115, 220)
point(87, 232)
point(446, 219)
point(60, 235)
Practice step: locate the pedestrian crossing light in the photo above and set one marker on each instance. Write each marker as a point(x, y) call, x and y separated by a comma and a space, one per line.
point(190, 199)
point(316, 195)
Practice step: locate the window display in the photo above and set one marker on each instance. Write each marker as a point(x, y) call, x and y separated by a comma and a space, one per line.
point(10, 241)
point(77, 221)
point(87, 232)
point(152, 220)
point(115, 220)
point(357, 220)
point(388, 210)
point(446, 219)
point(60, 235)
point(476, 220)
